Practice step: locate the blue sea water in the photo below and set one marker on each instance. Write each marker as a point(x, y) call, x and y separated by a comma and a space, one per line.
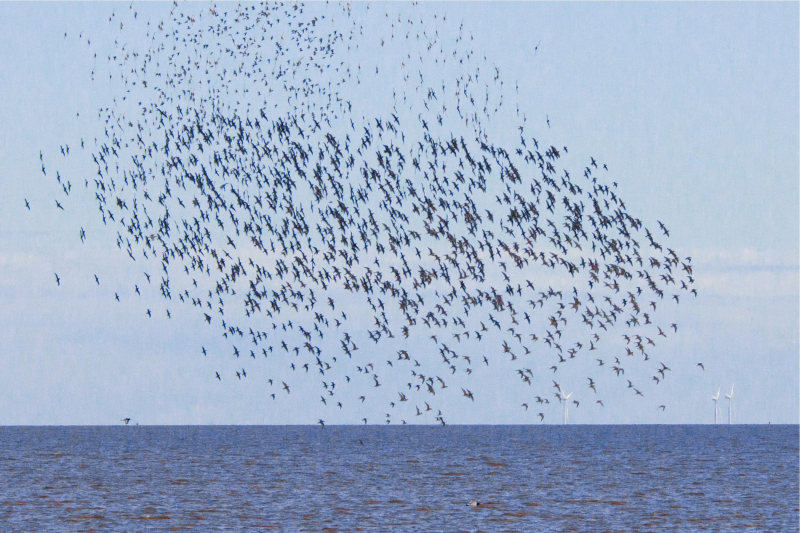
point(411, 478)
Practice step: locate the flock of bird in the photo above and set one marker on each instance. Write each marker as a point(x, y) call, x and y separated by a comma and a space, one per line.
point(252, 159)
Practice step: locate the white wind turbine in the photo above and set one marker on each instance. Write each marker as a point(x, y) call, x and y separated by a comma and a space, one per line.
point(716, 404)
point(564, 398)
point(730, 404)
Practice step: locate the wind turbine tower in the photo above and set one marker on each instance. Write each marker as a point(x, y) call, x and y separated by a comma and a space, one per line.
point(564, 397)
point(716, 404)
point(730, 405)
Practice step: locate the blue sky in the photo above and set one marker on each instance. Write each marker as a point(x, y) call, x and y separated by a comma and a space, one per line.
point(694, 107)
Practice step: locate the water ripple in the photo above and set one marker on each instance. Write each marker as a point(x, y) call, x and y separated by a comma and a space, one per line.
point(576, 478)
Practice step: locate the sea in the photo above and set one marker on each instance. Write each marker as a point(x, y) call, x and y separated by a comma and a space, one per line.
point(400, 478)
